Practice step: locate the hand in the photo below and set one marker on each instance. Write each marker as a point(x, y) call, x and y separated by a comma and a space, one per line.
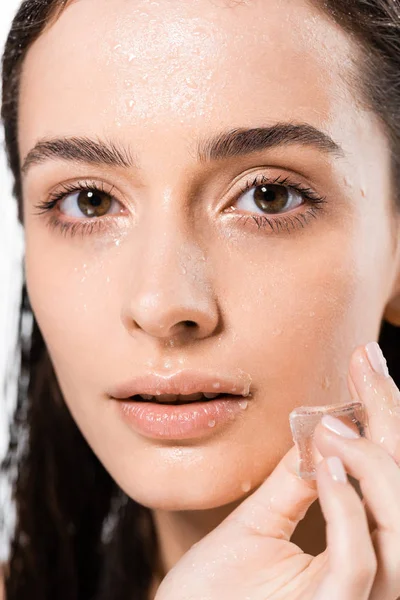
point(249, 556)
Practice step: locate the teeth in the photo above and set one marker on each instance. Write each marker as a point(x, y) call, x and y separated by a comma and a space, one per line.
point(181, 397)
point(191, 397)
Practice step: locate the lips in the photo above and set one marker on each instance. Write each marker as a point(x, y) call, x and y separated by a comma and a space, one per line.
point(185, 385)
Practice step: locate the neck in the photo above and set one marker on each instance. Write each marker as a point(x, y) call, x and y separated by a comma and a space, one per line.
point(179, 530)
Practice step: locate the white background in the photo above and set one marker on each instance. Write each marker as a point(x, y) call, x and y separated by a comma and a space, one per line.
point(11, 254)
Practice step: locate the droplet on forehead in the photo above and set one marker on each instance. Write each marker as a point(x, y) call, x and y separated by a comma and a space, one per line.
point(303, 421)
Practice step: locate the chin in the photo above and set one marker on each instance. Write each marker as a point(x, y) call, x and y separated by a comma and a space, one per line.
point(182, 496)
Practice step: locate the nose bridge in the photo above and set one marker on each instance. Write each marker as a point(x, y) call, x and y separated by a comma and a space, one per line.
point(169, 243)
point(170, 284)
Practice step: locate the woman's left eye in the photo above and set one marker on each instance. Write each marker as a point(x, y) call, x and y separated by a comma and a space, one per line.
point(271, 202)
point(270, 198)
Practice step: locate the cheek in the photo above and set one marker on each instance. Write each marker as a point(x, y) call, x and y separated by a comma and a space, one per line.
point(71, 304)
point(298, 317)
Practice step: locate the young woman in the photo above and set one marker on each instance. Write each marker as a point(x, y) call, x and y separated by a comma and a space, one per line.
point(210, 198)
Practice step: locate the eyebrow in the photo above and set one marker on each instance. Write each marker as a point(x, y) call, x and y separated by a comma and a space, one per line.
point(237, 142)
point(78, 149)
point(224, 145)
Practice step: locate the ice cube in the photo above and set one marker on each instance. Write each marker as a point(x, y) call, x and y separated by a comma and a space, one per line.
point(303, 421)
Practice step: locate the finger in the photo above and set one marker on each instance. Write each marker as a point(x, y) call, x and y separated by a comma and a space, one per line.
point(352, 562)
point(277, 506)
point(380, 395)
point(379, 479)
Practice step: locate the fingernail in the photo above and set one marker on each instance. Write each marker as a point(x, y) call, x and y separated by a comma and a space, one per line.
point(336, 469)
point(337, 426)
point(376, 359)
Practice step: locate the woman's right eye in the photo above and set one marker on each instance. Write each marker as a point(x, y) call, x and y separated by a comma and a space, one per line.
point(89, 203)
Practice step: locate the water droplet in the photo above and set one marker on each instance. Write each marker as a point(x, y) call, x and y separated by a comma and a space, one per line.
point(243, 404)
point(326, 383)
point(312, 313)
point(131, 57)
point(211, 423)
point(191, 83)
point(216, 385)
point(183, 269)
point(246, 486)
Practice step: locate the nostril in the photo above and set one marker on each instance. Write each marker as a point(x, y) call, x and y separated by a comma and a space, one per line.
point(190, 323)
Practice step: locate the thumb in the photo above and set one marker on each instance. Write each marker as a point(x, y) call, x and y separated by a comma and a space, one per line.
point(277, 506)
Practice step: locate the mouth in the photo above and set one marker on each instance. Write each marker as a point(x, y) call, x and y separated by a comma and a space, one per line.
point(174, 399)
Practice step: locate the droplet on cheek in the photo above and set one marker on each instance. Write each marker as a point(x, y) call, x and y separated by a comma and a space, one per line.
point(211, 423)
point(246, 486)
point(326, 383)
point(243, 404)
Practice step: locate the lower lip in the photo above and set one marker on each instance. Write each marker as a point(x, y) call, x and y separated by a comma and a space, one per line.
point(182, 421)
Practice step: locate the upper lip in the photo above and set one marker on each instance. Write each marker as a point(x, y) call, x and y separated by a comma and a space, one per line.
point(186, 381)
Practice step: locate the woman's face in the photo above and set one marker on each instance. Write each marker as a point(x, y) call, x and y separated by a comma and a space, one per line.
point(285, 301)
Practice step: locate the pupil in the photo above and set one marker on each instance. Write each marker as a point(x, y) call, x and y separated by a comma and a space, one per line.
point(89, 201)
point(95, 200)
point(271, 197)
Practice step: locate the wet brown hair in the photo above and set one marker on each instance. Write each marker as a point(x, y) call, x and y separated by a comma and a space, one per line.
point(78, 536)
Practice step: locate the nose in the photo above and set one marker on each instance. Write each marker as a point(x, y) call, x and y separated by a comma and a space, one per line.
point(170, 295)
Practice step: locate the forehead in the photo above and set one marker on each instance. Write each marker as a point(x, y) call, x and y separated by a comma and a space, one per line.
point(119, 66)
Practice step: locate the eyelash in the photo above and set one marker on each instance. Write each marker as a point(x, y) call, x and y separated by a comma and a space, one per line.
point(312, 199)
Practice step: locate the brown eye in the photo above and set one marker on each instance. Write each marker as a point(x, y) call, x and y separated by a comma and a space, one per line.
point(94, 203)
point(89, 203)
point(270, 198)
